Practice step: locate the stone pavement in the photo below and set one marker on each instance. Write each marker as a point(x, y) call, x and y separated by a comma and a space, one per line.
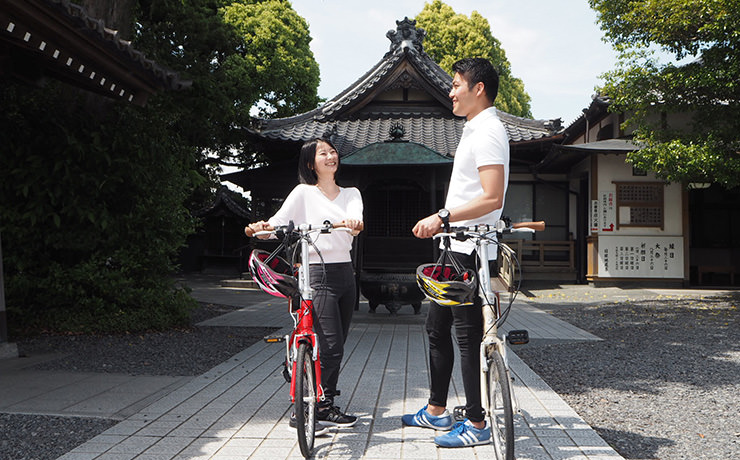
point(240, 408)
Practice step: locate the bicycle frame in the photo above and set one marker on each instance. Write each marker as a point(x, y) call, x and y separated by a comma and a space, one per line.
point(303, 331)
point(302, 344)
point(491, 314)
point(491, 299)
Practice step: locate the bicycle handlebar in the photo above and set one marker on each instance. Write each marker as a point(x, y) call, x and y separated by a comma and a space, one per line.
point(534, 226)
point(500, 227)
point(325, 226)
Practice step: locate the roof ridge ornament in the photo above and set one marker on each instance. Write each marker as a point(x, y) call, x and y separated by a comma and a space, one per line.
point(397, 131)
point(406, 35)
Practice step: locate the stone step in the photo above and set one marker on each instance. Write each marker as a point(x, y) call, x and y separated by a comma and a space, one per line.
point(239, 283)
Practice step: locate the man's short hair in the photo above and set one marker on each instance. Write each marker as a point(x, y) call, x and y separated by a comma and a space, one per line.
point(479, 70)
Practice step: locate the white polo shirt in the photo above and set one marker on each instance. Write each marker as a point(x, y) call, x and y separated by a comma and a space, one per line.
point(484, 142)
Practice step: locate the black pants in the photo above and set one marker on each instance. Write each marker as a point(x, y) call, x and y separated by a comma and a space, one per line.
point(333, 306)
point(468, 322)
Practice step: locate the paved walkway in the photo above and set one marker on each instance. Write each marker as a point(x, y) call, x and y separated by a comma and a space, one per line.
point(240, 408)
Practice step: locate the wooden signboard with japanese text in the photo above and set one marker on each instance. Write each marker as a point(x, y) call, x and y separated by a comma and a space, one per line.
point(641, 257)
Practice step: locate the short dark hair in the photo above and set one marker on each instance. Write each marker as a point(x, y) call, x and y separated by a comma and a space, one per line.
point(307, 161)
point(477, 70)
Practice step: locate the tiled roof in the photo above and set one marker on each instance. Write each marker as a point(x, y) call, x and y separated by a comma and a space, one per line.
point(439, 133)
point(169, 78)
point(353, 124)
point(223, 199)
point(59, 39)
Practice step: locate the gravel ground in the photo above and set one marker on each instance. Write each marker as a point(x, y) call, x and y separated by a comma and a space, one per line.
point(664, 383)
point(182, 352)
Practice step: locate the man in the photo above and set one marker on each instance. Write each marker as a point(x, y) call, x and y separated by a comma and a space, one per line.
point(478, 183)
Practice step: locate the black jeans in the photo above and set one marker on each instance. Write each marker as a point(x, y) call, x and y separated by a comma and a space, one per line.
point(333, 306)
point(468, 322)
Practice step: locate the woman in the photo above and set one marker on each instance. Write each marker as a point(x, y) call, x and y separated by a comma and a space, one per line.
point(316, 199)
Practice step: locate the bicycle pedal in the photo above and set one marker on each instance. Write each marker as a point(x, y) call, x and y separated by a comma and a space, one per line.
point(274, 338)
point(459, 414)
point(518, 337)
point(286, 373)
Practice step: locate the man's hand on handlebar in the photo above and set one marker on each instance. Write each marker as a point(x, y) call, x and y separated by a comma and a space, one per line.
point(427, 227)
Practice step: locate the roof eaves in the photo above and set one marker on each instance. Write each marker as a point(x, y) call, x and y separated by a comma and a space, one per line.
point(59, 39)
point(361, 86)
point(167, 78)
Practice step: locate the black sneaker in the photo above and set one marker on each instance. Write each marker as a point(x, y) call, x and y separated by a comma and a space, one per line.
point(318, 430)
point(332, 416)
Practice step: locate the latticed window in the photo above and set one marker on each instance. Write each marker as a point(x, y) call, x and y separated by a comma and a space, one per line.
point(640, 204)
point(393, 213)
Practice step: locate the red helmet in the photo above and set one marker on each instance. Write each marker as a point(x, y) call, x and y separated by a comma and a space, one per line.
point(276, 277)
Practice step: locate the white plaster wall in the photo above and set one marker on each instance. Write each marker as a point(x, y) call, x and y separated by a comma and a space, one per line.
point(615, 168)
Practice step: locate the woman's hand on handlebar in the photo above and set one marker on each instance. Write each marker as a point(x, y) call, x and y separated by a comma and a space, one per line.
point(355, 225)
point(255, 227)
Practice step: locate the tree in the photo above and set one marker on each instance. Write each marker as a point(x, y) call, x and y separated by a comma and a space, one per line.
point(242, 55)
point(94, 192)
point(707, 33)
point(451, 36)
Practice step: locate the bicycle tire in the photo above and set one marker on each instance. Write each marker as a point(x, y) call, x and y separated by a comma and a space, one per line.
point(500, 413)
point(305, 399)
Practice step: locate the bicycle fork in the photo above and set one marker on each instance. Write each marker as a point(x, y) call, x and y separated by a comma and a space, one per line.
point(304, 334)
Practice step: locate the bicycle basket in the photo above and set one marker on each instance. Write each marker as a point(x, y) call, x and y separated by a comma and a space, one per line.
point(275, 277)
point(446, 284)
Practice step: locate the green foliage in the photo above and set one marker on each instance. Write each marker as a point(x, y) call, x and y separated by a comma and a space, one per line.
point(94, 194)
point(708, 148)
point(451, 36)
point(240, 55)
point(91, 214)
point(276, 44)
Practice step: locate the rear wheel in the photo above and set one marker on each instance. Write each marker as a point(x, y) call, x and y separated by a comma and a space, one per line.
point(500, 414)
point(305, 399)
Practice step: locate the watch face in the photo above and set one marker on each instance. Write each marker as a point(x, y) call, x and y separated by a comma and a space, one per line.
point(444, 213)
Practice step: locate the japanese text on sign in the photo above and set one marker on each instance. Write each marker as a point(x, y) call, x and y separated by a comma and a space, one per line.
point(607, 211)
point(640, 257)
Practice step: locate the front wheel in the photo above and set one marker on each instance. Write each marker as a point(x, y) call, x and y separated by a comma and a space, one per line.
point(500, 414)
point(305, 399)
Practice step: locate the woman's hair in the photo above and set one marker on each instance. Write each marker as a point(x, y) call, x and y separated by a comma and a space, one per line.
point(307, 161)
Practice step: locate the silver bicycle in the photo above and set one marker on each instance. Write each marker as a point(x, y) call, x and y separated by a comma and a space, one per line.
point(496, 396)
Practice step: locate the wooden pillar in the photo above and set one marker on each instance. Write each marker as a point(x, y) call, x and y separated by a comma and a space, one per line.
point(7, 350)
point(3, 316)
point(592, 242)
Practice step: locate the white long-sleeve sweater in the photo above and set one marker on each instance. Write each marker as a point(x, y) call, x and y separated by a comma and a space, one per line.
point(307, 205)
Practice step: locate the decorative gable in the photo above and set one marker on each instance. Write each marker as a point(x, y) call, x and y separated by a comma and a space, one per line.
point(405, 88)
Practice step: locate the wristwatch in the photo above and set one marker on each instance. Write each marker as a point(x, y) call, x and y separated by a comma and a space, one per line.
point(444, 214)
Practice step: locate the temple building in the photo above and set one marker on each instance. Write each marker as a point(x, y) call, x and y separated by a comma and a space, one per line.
point(396, 136)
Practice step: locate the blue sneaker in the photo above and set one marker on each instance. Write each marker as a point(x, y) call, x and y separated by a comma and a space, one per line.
point(464, 434)
point(426, 420)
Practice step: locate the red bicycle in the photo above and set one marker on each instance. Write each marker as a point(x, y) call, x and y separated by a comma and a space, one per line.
point(291, 280)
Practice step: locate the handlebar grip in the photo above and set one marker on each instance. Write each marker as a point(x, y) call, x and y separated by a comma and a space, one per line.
point(250, 233)
point(536, 226)
point(342, 224)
